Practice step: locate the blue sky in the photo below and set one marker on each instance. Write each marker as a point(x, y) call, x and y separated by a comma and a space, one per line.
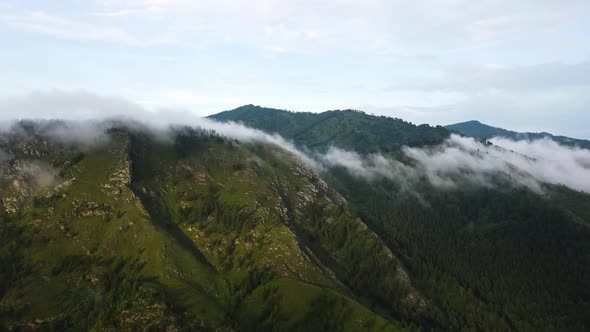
point(523, 65)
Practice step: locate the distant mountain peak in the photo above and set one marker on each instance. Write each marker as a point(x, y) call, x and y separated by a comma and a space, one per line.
point(476, 129)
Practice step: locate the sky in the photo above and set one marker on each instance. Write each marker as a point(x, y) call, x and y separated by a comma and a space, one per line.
point(521, 65)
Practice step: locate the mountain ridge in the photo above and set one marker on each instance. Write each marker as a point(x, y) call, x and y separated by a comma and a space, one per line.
point(474, 250)
point(189, 229)
point(347, 129)
point(477, 129)
point(194, 231)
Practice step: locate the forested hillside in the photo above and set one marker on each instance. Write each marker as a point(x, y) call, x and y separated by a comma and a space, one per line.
point(187, 231)
point(121, 227)
point(348, 129)
point(494, 257)
point(502, 259)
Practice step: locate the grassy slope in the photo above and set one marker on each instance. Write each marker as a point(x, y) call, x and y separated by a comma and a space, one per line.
point(245, 206)
point(148, 233)
point(92, 236)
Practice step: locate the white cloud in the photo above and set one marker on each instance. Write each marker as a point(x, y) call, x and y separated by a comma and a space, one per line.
point(42, 22)
point(560, 164)
point(513, 59)
point(461, 161)
point(494, 78)
point(456, 162)
point(372, 167)
point(374, 26)
point(67, 105)
point(548, 95)
point(40, 174)
point(85, 112)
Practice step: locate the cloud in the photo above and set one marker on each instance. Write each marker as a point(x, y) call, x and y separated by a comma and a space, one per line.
point(248, 50)
point(70, 105)
point(4, 156)
point(373, 26)
point(86, 134)
point(42, 22)
point(41, 175)
point(456, 162)
point(492, 78)
point(38, 174)
point(371, 167)
point(84, 116)
point(461, 161)
point(554, 163)
point(546, 95)
point(564, 108)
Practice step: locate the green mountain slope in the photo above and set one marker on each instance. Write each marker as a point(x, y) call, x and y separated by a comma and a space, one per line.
point(346, 129)
point(489, 258)
point(479, 130)
point(499, 259)
point(190, 231)
point(187, 230)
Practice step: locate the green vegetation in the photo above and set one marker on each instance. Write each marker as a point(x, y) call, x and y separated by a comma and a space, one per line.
point(489, 259)
point(348, 129)
point(194, 231)
point(499, 258)
point(482, 131)
point(191, 232)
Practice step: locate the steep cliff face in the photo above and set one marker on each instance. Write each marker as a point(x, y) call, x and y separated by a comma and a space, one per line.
point(195, 231)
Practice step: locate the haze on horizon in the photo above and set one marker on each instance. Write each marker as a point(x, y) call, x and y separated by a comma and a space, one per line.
point(523, 66)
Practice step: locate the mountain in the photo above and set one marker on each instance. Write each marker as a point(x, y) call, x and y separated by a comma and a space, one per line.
point(116, 226)
point(185, 231)
point(489, 257)
point(348, 129)
point(479, 130)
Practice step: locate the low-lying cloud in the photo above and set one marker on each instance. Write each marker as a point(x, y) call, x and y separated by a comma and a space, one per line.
point(84, 118)
point(40, 174)
point(4, 156)
point(554, 163)
point(371, 167)
point(461, 160)
point(84, 133)
point(450, 165)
